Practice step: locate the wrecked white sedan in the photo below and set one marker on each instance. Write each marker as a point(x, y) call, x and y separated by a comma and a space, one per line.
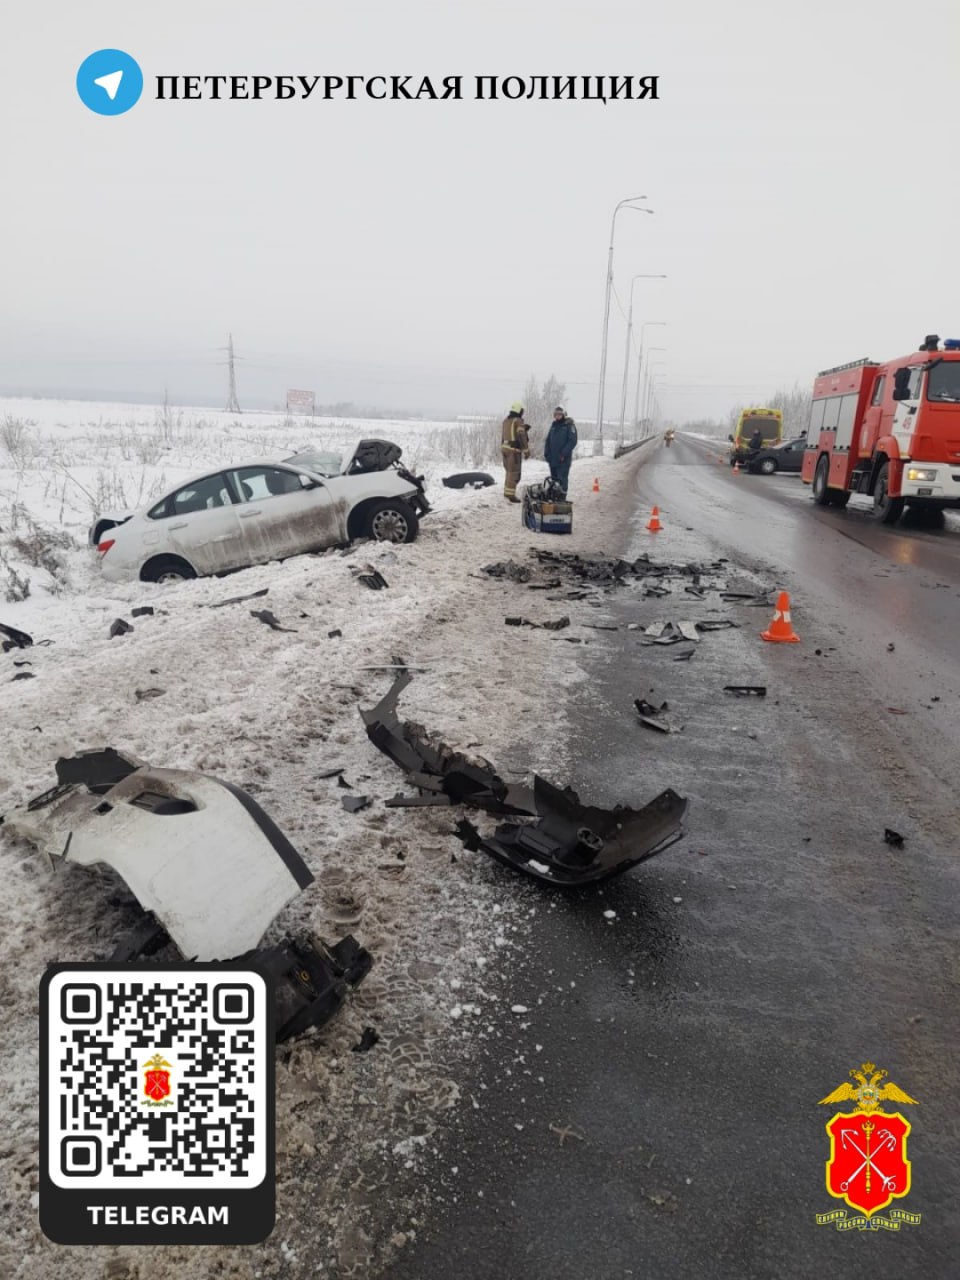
point(259, 511)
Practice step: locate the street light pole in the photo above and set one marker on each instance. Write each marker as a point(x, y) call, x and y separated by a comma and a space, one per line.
point(630, 203)
point(651, 380)
point(646, 381)
point(643, 328)
point(626, 356)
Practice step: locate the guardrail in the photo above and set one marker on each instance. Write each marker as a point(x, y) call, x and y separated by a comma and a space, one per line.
point(635, 444)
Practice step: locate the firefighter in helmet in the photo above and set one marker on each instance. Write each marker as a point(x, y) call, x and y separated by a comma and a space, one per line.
point(515, 446)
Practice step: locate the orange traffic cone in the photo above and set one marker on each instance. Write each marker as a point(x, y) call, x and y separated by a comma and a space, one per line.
point(653, 524)
point(596, 484)
point(781, 628)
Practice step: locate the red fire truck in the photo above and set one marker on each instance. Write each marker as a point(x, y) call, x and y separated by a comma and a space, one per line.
point(888, 430)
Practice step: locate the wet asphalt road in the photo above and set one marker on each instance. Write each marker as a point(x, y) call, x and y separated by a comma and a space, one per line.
point(667, 1125)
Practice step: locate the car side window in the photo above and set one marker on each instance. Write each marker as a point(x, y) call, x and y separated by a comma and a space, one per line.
point(201, 495)
point(254, 484)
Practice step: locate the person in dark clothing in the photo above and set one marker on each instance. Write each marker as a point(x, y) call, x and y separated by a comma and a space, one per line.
point(755, 443)
point(558, 449)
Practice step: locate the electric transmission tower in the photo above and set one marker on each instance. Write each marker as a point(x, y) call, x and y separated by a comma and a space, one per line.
point(233, 405)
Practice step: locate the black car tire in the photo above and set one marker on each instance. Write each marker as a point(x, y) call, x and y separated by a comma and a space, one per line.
point(821, 489)
point(167, 569)
point(767, 467)
point(392, 520)
point(886, 510)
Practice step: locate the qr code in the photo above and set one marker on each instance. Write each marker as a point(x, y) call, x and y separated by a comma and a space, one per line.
point(157, 1078)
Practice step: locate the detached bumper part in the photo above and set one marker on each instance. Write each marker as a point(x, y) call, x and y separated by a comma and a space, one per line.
point(311, 980)
point(575, 844)
point(570, 843)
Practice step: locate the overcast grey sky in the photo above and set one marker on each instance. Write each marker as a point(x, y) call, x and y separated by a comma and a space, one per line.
point(801, 162)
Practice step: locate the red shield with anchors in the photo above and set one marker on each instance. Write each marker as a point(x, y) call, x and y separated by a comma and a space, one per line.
point(868, 1165)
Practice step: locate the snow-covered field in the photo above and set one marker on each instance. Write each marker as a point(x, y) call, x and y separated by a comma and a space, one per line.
point(270, 711)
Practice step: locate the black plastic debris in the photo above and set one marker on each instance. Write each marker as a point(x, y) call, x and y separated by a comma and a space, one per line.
point(439, 770)
point(119, 628)
point(23, 675)
point(373, 579)
point(342, 782)
point(330, 773)
point(599, 626)
point(744, 690)
point(311, 980)
point(574, 844)
point(254, 595)
point(15, 639)
point(508, 569)
point(334, 634)
point(145, 695)
point(98, 770)
point(558, 625)
point(270, 619)
point(684, 657)
point(468, 479)
point(143, 611)
point(893, 838)
point(368, 1038)
point(22, 662)
point(353, 804)
point(569, 843)
point(653, 718)
point(716, 624)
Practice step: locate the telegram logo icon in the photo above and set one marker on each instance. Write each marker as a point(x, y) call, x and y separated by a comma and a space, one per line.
point(109, 82)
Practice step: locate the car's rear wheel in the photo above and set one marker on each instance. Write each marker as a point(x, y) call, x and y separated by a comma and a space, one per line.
point(886, 510)
point(167, 569)
point(768, 466)
point(392, 520)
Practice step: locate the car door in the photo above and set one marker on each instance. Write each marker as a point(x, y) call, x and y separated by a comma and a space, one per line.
point(283, 512)
point(791, 455)
point(200, 523)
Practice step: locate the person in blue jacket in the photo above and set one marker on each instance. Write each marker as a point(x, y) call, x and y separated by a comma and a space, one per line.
point(558, 449)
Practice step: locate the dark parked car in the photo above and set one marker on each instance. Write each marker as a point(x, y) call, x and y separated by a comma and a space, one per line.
point(780, 457)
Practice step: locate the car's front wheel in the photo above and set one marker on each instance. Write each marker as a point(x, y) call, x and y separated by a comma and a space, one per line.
point(392, 520)
point(167, 569)
point(768, 466)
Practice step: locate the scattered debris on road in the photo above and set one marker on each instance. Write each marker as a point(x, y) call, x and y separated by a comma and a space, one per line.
point(143, 611)
point(270, 619)
point(468, 480)
point(893, 838)
point(575, 844)
point(15, 639)
point(144, 695)
point(119, 627)
point(353, 804)
point(558, 625)
point(254, 595)
point(370, 577)
point(745, 690)
point(368, 1038)
point(509, 569)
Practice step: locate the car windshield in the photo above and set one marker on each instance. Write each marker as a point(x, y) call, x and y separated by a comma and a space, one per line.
point(323, 464)
point(943, 382)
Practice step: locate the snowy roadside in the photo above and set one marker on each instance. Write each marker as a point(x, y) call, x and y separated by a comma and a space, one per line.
point(269, 711)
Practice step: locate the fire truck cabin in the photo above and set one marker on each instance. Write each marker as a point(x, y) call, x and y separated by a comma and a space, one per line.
point(891, 431)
